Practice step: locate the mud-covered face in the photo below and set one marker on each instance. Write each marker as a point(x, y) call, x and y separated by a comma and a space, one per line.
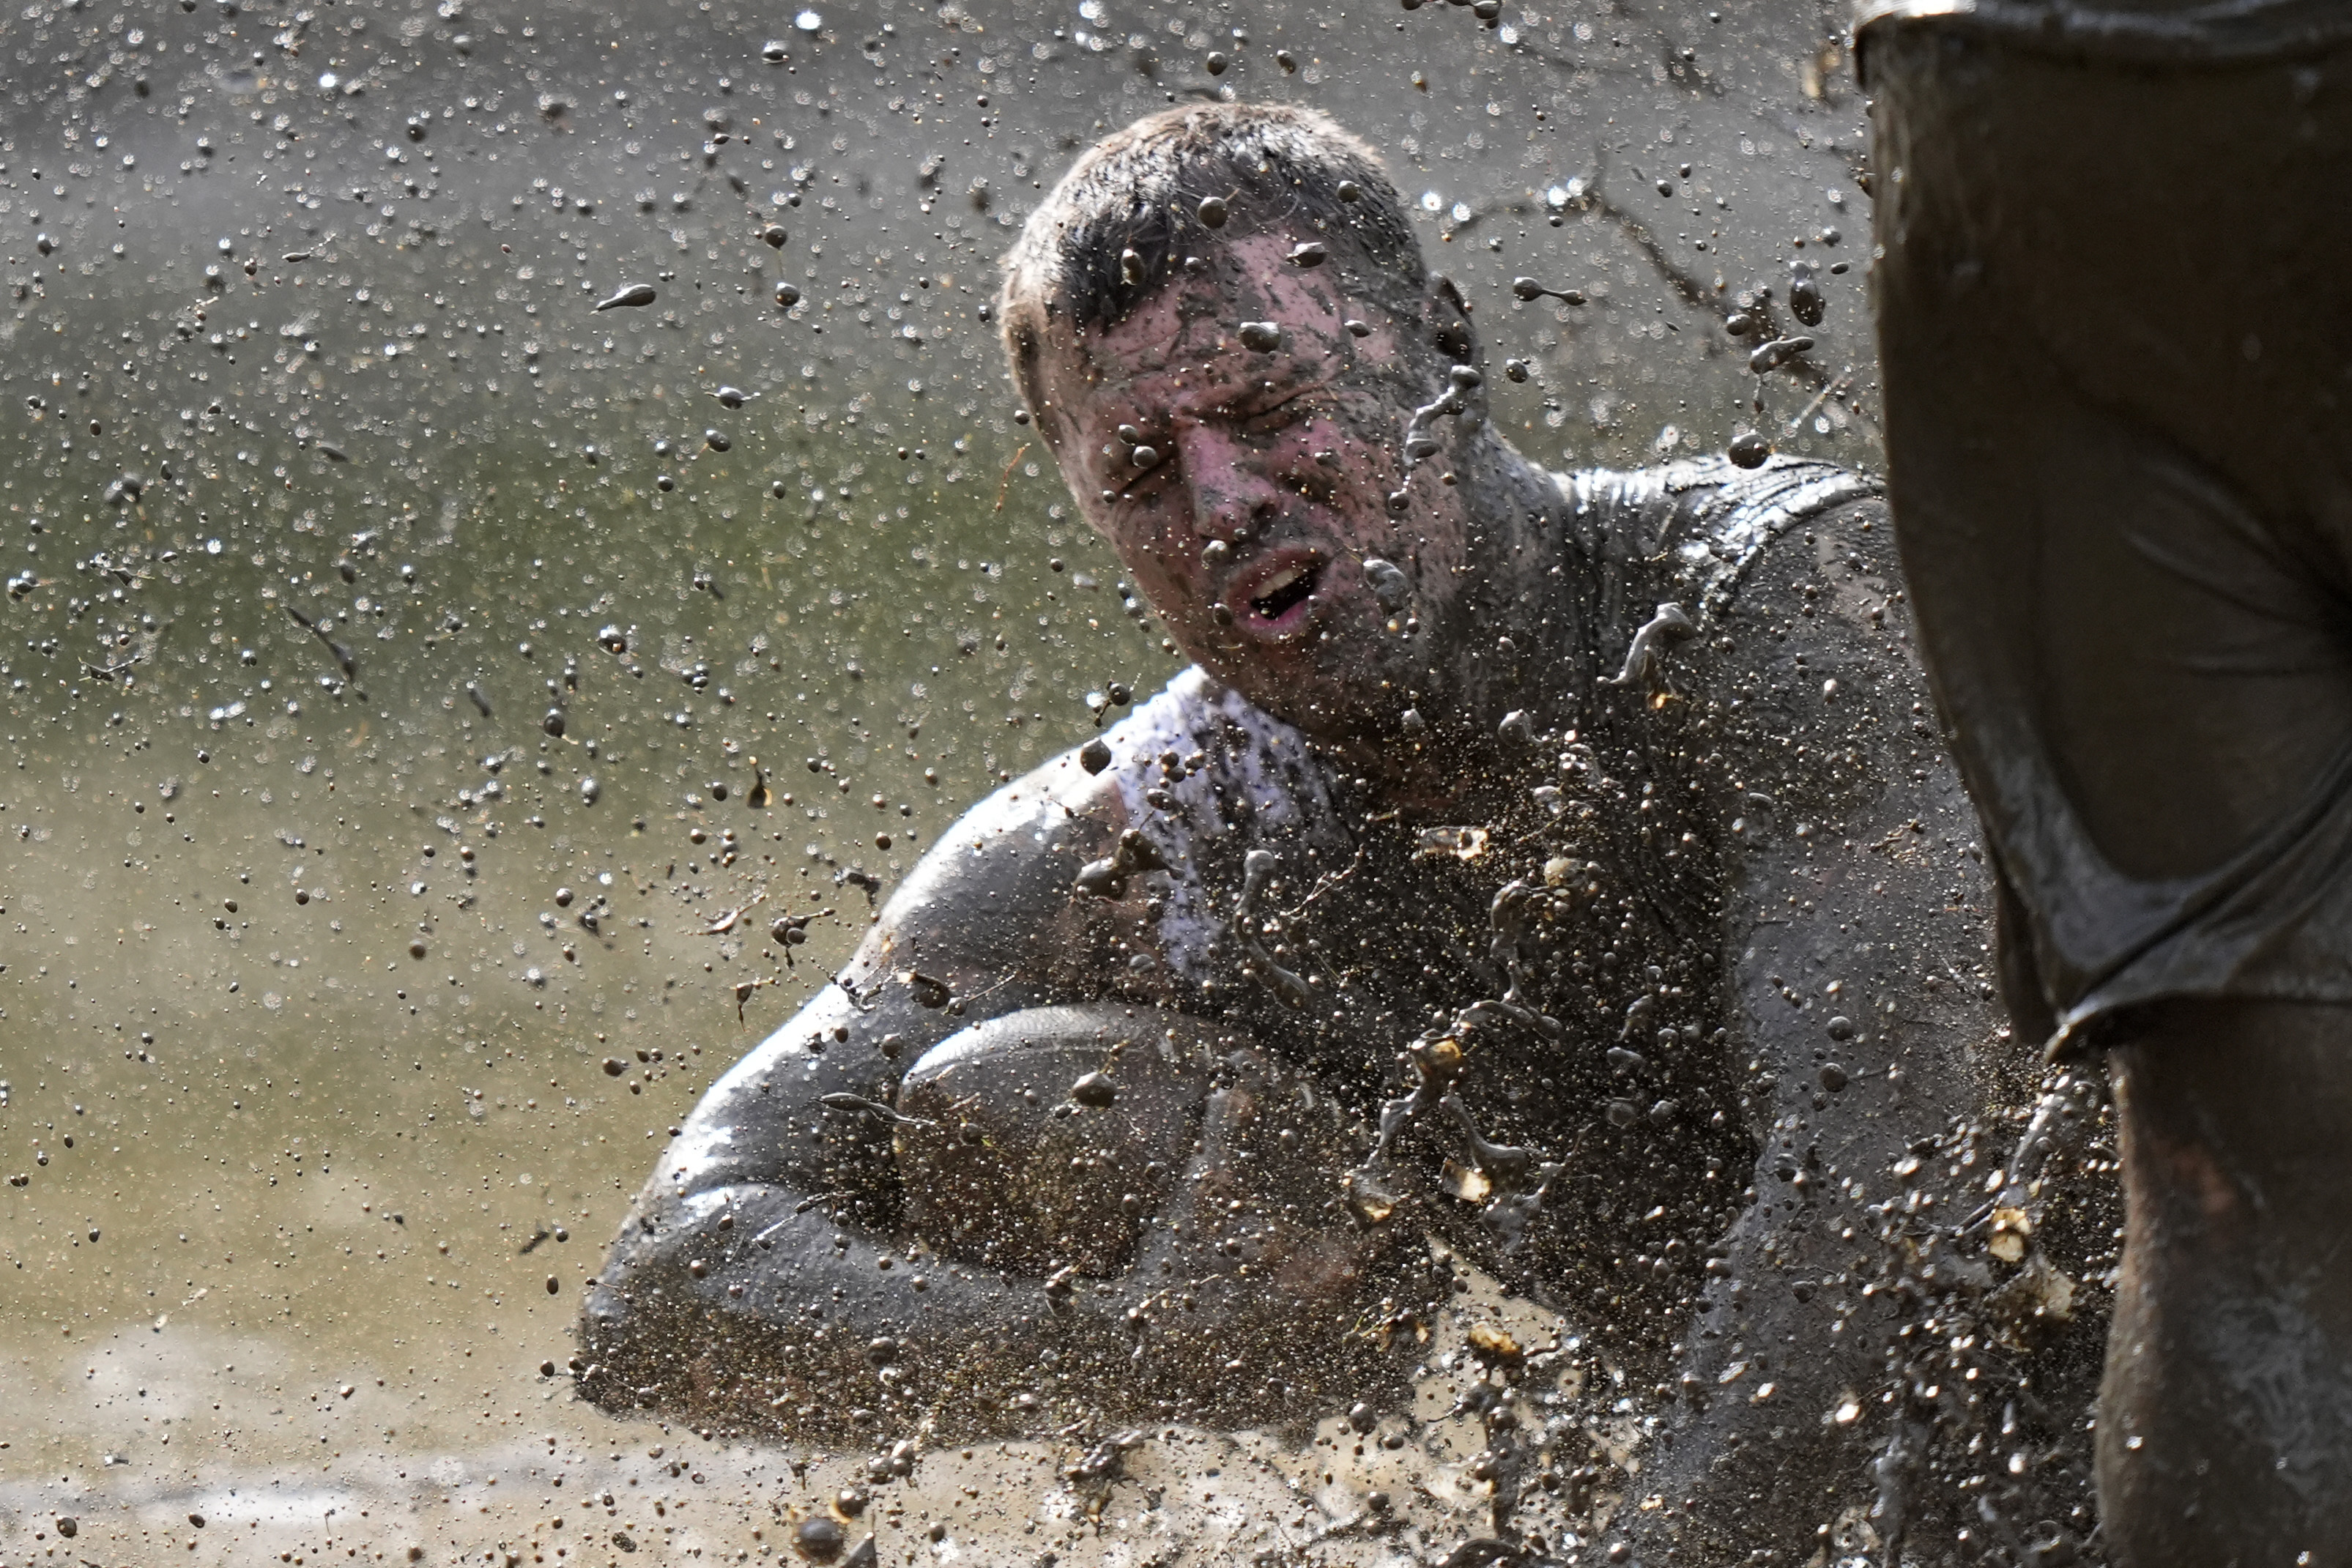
point(1245, 483)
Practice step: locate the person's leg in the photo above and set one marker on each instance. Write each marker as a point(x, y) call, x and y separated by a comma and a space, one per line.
point(2225, 1422)
point(2120, 446)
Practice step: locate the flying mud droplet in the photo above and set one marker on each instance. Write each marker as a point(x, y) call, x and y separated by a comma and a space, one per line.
point(1211, 213)
point(1805, 300)
point(787, 295)
point(1645, 657)
point(1531, 289)
point(1419, 444)
point(634, 295)
point(1748, 449)
point(1108, 877)
point(818, 1538)
point(1769, 357)
point(1261, 337)
point(1308, 254)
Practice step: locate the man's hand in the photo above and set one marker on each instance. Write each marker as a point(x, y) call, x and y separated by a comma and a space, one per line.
point(1257, 1288)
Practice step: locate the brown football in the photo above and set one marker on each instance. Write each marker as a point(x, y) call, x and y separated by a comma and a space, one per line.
point(1048, 1137)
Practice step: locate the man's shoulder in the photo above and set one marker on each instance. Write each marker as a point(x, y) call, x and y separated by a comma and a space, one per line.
point(1804, 653)
point(1194, 753)
point(1715, 540)
point(1818, 580)
point(1207, 775)
point(1208, 725)
point(1200, 776)
point(1703, 522)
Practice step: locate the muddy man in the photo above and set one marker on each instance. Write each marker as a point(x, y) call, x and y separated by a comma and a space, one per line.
point(2116, 342)
point(1560, 867)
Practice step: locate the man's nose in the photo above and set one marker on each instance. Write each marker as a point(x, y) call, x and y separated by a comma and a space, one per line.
point(1234, 489)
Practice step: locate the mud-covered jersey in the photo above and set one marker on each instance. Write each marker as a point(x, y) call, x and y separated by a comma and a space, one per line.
point(1578, 899)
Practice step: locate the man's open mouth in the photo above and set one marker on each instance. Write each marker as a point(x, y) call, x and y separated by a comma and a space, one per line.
point(1285, 591)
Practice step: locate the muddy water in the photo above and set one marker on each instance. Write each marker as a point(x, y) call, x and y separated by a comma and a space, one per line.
point(354, 1453)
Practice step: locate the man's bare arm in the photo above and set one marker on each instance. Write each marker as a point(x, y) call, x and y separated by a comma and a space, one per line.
point(764, 1272)
point(896, 1205)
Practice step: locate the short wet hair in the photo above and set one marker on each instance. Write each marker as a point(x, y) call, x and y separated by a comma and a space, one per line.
point(1116, 228)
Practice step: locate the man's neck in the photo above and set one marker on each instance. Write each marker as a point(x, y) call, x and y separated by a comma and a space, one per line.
point(1512, 642)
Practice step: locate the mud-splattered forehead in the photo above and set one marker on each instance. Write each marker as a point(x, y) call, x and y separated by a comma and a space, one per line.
point(1184, 183)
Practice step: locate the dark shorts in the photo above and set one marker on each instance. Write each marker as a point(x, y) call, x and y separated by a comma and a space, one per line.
point(2115, 309)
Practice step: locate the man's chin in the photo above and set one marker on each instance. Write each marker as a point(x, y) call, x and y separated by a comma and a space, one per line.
point(1329, 690)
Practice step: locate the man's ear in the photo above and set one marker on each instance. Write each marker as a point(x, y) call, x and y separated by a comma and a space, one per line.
point(1447, 317)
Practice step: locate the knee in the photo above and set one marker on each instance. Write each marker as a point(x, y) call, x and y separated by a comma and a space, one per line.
point(2234, 1118)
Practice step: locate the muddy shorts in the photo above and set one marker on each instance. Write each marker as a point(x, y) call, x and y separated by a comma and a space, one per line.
point(2114, 288)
